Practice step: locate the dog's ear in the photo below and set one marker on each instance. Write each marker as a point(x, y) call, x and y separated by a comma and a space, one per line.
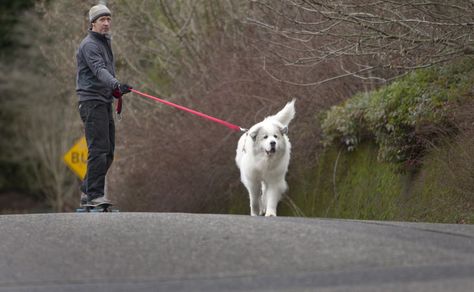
point(254, 134)
point(284, 130)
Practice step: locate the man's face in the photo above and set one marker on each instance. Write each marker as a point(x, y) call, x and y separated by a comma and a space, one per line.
point(102, 24)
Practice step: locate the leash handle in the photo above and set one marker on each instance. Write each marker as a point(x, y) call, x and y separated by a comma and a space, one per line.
point(118, 108)
point(180, 107)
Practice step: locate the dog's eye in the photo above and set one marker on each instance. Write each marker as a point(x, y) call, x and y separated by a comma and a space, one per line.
point(265, 137)
point(276, 137)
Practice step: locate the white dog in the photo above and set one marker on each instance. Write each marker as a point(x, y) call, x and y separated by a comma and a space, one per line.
point(263, 155)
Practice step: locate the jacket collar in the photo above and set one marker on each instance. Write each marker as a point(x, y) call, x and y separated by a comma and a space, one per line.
point(102, 37)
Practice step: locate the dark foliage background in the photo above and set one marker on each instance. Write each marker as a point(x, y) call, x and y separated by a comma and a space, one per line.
point(237, 60)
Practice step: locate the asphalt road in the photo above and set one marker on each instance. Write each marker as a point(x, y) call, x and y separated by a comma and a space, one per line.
point(195, 252)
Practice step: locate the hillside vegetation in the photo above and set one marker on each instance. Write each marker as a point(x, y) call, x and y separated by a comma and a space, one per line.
point(402, 152)
point(406, 117)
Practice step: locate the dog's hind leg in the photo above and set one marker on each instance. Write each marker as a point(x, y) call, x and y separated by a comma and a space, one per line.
point(263, 200)
point(254, 195)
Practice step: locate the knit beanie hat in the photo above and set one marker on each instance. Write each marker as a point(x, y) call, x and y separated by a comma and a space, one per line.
point(98, 11)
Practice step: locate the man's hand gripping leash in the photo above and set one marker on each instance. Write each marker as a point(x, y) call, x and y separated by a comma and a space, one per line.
point(118, 92)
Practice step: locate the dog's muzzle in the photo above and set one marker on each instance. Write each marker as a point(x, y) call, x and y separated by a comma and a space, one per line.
point(272, 148)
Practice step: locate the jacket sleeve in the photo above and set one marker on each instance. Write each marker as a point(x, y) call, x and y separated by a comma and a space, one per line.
point(96, 63)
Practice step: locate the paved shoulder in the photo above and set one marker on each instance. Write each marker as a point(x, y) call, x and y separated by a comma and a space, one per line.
point(197, 252)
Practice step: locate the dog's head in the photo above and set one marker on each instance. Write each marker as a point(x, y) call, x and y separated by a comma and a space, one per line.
point(269, 138)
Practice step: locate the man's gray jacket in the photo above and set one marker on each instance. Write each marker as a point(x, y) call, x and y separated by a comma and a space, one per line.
point(95, 78)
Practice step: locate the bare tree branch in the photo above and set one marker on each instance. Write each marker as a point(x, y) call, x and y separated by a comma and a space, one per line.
point(398, 35)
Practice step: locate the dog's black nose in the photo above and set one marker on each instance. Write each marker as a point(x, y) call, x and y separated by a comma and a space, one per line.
point(273, 143)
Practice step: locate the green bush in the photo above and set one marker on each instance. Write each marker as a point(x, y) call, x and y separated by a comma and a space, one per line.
point(403, 117)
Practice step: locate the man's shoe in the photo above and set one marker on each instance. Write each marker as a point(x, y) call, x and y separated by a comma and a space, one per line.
point(100, 201)
point(83, 200)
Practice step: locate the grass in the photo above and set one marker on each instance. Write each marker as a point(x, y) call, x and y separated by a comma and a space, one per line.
point(358, 186)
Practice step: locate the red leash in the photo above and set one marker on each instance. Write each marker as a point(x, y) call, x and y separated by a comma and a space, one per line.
point(216, 120)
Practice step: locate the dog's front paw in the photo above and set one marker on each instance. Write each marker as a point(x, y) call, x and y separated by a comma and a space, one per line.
point(270, 214)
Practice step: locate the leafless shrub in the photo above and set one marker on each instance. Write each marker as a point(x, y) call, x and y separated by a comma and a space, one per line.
point(171, 161)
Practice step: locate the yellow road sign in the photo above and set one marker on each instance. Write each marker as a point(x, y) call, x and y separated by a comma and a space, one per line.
point(76, 158)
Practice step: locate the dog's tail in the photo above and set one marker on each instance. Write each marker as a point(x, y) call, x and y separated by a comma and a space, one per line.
point(286, 114)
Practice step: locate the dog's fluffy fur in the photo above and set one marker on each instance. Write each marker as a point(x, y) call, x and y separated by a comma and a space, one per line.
point(263, 155)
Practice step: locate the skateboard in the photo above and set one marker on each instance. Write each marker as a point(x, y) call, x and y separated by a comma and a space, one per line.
point(105, 207)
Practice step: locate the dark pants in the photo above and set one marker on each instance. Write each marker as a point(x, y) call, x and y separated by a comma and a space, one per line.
point(100, 136)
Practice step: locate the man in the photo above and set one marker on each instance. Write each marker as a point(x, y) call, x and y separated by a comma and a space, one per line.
point(96, 87)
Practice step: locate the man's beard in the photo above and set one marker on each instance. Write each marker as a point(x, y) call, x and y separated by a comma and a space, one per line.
point(108, 35)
